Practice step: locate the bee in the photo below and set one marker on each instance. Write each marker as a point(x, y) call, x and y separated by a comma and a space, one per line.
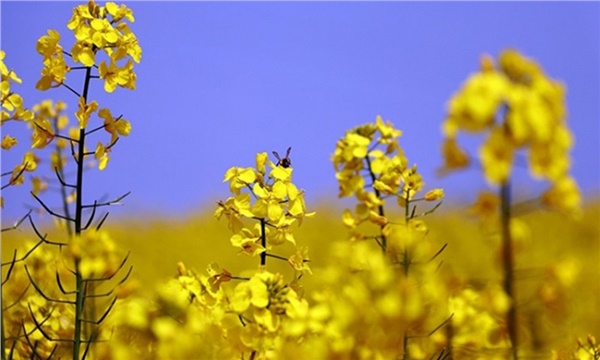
point(286, 162)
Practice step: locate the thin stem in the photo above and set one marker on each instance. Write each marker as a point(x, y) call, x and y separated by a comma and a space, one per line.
point(380, 208)
point(407, 217)
point(61, 175)
point(263, 242)
point(276, 256)
point(508, 262)
point(406, 265)
point(78, 221)
point(71, 89)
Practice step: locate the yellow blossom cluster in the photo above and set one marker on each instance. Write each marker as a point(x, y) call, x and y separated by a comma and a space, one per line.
point(520, 108)
point(97, 254)
point(96, 28)
point(186, 319)
point(477, 328)
point(371, 166)
point(12, 109)
point(193, 316)
point(265, 305)
point(12, 102)
point(363, 308)
point(272, 199)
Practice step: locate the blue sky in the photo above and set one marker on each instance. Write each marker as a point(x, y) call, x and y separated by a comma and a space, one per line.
point(219, 82)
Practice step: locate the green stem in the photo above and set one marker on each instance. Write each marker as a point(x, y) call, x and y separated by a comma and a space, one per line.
point(406, 265)
point(78, 221)
point(276, 256)
point(63, 190)
point(508, 262)
point(263, 242)
point(406, 259)
point(380, 208)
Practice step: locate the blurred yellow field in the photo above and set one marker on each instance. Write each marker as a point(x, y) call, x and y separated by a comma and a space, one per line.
point(158, 245)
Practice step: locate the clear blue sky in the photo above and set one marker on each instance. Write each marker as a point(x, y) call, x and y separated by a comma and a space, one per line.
point(219, 82)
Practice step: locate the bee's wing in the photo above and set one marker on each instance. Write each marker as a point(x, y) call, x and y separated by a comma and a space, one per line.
point(276, 155)
point(287, 154)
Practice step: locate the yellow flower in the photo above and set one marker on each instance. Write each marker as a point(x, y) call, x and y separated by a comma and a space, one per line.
point(56, 161)
point(7, 75)
point(229, 209)
point(282, 233)
point(413, 182)
point(454, 156)
point(297, 208)
point(8, 142)
point(299, 260)
point(474, 108)
point(115, 76)
point(486, 205)
point(29, 163)
point(101, 154)
point(119, 12)
point(349, 182)
point(104, 34)
point(84, 112)
point(387, 130)
point(497, 157)
point(239, 178)
point(128, 45)
point(434, 194)
point(97, 253)
point(114, 126)
point(54, 72)
point(517, 67)
point(38, 185)
point(563, 195)
point(47, 45)
point(249, 240)
point(253, 292)
point(261, 160)
point(550, 160)
point(83, 53)
point(43, 133)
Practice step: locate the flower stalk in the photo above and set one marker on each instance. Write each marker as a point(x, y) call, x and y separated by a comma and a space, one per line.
point(508, 266)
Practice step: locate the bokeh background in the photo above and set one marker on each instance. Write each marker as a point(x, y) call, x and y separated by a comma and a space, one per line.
point(219, 82)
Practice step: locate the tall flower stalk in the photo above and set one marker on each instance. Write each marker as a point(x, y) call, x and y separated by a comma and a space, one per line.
point(371, 166)
point(273, 203)
point(520, 108)
point(97, 29)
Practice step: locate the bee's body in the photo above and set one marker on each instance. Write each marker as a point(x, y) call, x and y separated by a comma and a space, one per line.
point(286, 162)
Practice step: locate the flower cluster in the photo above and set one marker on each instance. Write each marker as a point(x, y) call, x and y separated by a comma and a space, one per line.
point(371, 166)
point(12, 102)
point(266, 304)
point(13, 110)
point(272, 199)
point(96, 28)
point(476, 326)
point(363, 308)
point(520, 108)
point(186, 319)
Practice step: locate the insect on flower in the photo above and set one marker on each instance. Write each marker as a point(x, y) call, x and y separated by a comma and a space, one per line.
point(286, 162)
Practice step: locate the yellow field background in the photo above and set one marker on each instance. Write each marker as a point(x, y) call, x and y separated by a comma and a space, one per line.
point(156, 245)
